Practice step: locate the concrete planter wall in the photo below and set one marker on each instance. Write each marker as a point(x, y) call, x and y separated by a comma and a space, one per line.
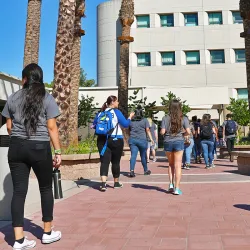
point(80, 166)
point(243, 161)
point(6, 187)
point(224, 153)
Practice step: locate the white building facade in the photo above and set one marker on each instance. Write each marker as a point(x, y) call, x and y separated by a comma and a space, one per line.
point(192, 48)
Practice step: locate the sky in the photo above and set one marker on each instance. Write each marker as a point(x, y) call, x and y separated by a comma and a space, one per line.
point(12, 36)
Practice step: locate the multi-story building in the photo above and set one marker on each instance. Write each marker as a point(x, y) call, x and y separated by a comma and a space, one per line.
point(192, 48)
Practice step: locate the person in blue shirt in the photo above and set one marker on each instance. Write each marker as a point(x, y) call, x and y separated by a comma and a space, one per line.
point(113, 152)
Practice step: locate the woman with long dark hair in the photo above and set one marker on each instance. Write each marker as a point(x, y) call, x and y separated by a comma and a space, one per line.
point(139, 129)
point(206, 132)
point(31, 122)
point(114, 146)
point(174, 126)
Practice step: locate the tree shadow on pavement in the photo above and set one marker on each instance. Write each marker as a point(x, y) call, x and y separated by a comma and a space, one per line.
point(147, 187)
point(243, 206)
point(29, 226)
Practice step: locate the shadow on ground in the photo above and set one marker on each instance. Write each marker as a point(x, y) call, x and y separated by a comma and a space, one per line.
point(148, 187)
point(29, 226)
point(243, 206)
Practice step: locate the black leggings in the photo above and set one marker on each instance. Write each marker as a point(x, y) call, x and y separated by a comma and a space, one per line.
point(230, 145)
point(24, 154)
point(112, 154)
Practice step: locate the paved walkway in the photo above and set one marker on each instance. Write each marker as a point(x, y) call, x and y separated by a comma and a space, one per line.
point(212, 214)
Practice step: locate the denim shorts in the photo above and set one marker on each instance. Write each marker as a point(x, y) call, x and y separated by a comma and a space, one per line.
point(174, 146)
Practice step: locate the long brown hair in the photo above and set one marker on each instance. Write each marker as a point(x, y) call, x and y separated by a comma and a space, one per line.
point(206, 118)
point(176, 116)
point(110, 99)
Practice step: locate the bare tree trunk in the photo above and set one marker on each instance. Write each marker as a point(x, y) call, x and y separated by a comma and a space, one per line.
point(63, 66)
point(245, 13)
point(32, 36)
point(76, 52)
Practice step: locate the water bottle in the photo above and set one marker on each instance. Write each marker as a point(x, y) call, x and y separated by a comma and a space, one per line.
point(58, 194)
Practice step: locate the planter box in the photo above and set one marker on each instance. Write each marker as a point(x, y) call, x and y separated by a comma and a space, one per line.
point(224, 153)
point(243, 161)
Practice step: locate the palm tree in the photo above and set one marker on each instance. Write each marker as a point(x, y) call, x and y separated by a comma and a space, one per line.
point(76, 71)
point(126, 18)
point(63, 65)
point(245, 14)
point(31, 48)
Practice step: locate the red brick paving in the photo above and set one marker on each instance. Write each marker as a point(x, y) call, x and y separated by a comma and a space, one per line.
point(209, 216)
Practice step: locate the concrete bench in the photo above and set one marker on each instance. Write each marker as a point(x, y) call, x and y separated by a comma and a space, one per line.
point(243, 161)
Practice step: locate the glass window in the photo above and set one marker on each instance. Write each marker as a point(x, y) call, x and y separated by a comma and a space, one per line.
point(143, 21)
point(167, 20)
point(240, 55)
point(217, 56)
point(192, 57)
point(237, 17)
point(168, 58)
point(214, 18)
point(191, 19)
point(143, 59)
point(242, 94)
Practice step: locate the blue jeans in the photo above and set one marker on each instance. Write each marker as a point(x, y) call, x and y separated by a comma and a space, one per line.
point(135, 146)
point(214, 151)
point(197, 148)
point(208, 148)
point(187, 152)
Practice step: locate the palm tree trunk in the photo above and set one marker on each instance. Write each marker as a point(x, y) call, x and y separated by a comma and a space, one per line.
point(76, 52)
point(63, 66)
point(32, 36)
point(126, 19)
point(245, 13)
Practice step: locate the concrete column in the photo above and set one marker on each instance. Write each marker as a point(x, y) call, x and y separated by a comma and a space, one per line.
point(6, 187)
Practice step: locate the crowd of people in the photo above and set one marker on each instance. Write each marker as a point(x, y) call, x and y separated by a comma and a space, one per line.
point(31, 115)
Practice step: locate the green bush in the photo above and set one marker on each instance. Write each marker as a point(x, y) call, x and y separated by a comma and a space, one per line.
point(84, 147)
point(244, 141)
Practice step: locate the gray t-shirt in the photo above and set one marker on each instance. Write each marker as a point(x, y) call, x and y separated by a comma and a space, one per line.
point(13, 110)
point(138, 129)
point(166, 124)
point(224, 127)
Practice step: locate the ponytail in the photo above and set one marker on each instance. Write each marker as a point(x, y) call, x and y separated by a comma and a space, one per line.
point(110, 99)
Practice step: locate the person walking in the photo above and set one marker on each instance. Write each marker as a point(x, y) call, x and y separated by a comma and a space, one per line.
point(174, 126)
point(139, 130)
point(188, 148)
point(230, 130)
point(206, 132)
point(152, 147)
point(31, 122)
point(197, 141)
point(111, 146)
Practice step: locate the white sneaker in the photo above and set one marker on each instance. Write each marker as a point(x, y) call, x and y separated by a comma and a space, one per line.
point(55, 236)
point(27, 244)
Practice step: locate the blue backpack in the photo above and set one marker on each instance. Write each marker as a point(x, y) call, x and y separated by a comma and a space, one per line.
point(105, 127)
point(230, 128)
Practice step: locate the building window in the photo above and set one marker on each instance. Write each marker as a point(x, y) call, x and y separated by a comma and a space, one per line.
point(242, 94)
point(191, 19)
point(237, 17)
point(143, 59)
point(143, 21)
point(217, 56)
point(214, 18)
point(192, 57)
point(168, 58)
point(240, 55)
point(167, 20)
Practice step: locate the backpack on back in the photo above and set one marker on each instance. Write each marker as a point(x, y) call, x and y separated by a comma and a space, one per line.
point(230, 128)
point(104, 125)
point(206, 131)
